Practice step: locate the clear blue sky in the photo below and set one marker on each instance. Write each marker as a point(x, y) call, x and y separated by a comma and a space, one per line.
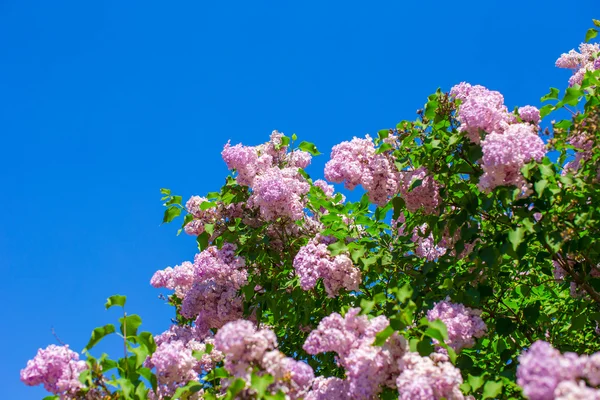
point(103, 103)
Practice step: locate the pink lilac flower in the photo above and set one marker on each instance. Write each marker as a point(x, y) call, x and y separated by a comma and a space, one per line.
point(246, 347)
point(505, 154)
point(368, 367)
point(480, 110)
point(243, 160)
point(179, 279)
point(292, 377)
point(424, 378)
point(175, 365)
point(356, 163)
point(571, 390)
point(463, 323)
point(208, 287)
point(279, 193)
point(541, 369)
point(580, 62)
point(57, 368)
point(426, 246)
point(314, 261)
point(201, 217)
point(194, 339)
point(329, 389)
point(299, 159)
point(530, 114)
point(424, 196)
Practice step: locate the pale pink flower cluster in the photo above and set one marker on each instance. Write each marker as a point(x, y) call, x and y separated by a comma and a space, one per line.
point(314, 261)
point(174, 361)
point(546, 374)
point(278, 192)
point(428, 378)
point(368, 368)
point(530, 114)
point(504, 154)
point(179, 279)
point(464, 324)
point(480, 110)
point(208, 287)
point(246, 348)
point(272, 175)
point(57, 368)
point(425, 196)
point(580, 62)
point(356, 163)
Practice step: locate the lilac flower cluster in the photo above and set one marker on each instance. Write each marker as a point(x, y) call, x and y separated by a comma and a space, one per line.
point(174, 361)
point(246, 348)
point(356, 163)
point(505, 153)
point(368, 367)
point(463, 323)
point(580, 62)
point(425, 196)
point(314, 261)
point(530, 114)
point(272, 174)
point(209, 287)
point(508, 144)
point(428, 378)
point(278, 193)
point(546, 374)
point(481, 109)
point(57, 368)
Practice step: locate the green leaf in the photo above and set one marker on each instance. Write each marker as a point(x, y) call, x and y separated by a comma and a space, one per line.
point(382, 336)
point(504, 326)
point(294, 137)
point(424, 347)
point(236, 387)
point(166, 192)
point(171, 213)
point(115, 300)
point(540, 186)
point(572, 96)
point(202, 240)
point(516, 237)
point(492, 389)
point(189, 388)
point(98, 334)
point(553, 95)
point(132, 323)
point(309, 147)
point(545, 110)
point(475, 381)
point(147, 339)
point(590, 34)
point(383, 148)
point(261, 383)
point(174, 200)
point(596, 22)
point(437, 330)
point(127, 387)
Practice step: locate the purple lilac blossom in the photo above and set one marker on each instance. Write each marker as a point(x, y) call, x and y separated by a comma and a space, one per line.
point(428, 378)
point(356, 163)
point(424, 196)
point(480, 110)
point(314, 261)
point(504, 155)
point(57, 368)
point(463, 323)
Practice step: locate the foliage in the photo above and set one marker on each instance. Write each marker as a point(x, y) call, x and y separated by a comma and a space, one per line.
point(524, 258)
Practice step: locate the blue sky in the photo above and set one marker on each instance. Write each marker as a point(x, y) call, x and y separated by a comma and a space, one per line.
point(103, 103)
